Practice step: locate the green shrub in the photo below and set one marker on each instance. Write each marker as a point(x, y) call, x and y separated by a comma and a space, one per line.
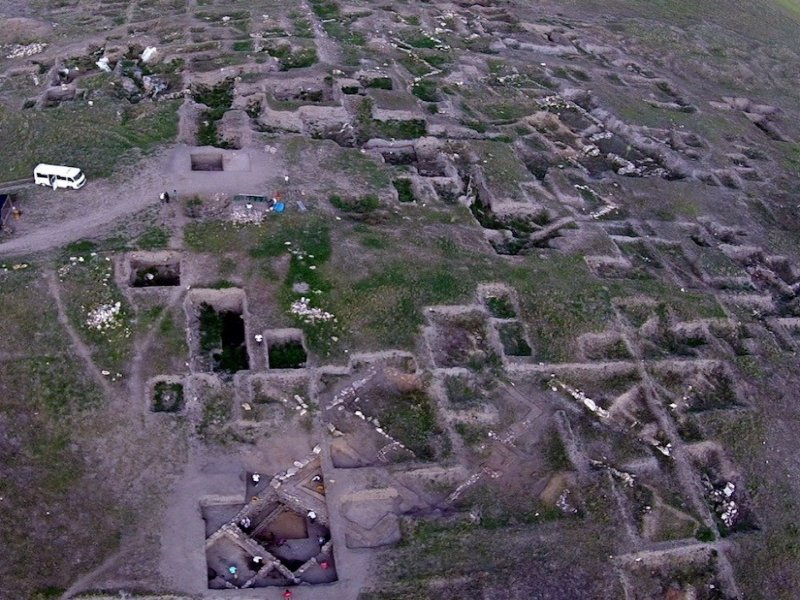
point(218, 99)
point(500, 307)
point(300, 59)
point(704, 534)
point(380, 83)
point(287, 355)
point(404, 192)
point(425, 90)
point(325, 9)
point(243, 46)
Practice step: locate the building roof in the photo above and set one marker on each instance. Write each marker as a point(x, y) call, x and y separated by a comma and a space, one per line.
point(57, 170)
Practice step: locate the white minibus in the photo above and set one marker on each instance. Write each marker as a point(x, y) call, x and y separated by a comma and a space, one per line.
point(57, 176)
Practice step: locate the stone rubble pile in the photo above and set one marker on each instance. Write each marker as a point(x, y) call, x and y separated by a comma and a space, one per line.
point(23, 50)
point(104, 316)
point(310, 315)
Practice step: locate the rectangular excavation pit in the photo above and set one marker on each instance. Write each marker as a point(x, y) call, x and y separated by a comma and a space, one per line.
point(513, 339)
point(222, 335)
point(275, 397)
point(150, 269)
point(229, 563)
point(695, 573)
point(167, 396)
point(266, 543)
point(218, 332)
point(458, 337)
point(294, 539)
point(207, 161)
point(148, 273)
point(216, 515)
point(286, 525)
point(499, 300)
point(285, 349)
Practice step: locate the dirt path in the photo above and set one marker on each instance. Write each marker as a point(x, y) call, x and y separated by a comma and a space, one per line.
point(78, 345)
point(52, 219)
point(83, 583)
point(327, 50)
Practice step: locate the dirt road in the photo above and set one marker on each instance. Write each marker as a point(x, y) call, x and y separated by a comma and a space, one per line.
point(54, 219)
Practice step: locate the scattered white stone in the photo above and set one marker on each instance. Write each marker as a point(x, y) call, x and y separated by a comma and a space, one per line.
point(23, 50)
point(103, 65)
point(150, 54)
point(729, 489)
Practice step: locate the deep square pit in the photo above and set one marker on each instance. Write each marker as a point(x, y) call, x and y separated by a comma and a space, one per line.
point(208, 161)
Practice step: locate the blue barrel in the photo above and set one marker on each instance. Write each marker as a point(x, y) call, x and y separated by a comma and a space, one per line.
point(279, 207)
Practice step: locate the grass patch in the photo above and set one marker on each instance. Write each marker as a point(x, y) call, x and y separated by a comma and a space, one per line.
point(384, 308)
point(98, 310)
point(217, 411)
point(360, 169)
point(410, 129)
point(93, 138)
point(48, 593)
point(325, 9)
point(169, 349)
point(48, 398)
point(473, 435)
point(374, 242)
point(462, 392)
point(503, 170)
point(29, 312)
point(243, 46)
point(221, 237)
point(411, 418)
point(369, 128)
point(301, 27)
point(415, 65)
point(556, 453)
point(437, 560)
point(309, 244)
point(290, 58)
point(560, 300)
point(155, 238)
point(793, 157)
point(218, 99)
point(357, 204)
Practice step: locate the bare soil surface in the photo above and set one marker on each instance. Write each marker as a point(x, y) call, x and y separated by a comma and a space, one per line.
point(538, 266)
